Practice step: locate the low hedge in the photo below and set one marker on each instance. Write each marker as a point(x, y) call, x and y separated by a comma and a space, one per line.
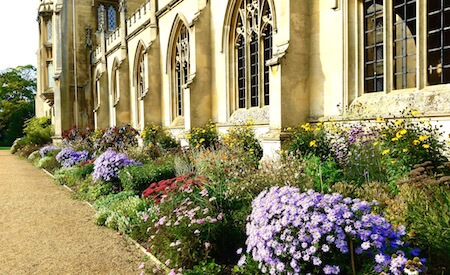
point(137, 178)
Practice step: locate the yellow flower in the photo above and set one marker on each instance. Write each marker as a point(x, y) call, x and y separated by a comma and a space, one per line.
point(313, 143)
point(415, 113)
point(201, 140)
point(416, 142)
point(385, 152)
point(375, 143)
point(289, 129)
point(319, 124)
point(403, 132)
point(405, 150)
point(305, 126)
point(423, 138)
point(395, 139)
point(380, 119)
point(399, 121)
point(426, 146)
point(332, 119)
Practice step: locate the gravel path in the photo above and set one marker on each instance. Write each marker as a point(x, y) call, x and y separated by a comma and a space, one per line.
point(44, 231)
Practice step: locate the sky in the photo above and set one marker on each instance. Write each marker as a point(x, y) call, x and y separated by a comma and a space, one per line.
point(18, 33)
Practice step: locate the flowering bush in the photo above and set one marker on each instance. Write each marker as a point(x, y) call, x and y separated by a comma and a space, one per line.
point(205, 137)
point(295, 232)
point(243, 138)
point(118, 139)
point(67, 157)
point(137, 178)
point(155, 135)
point(108, 164)
point(160, 189)
point(309, 139)
point(408, 142)
point(46, 149)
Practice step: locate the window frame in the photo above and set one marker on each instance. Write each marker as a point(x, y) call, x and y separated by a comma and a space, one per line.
point(107, 5)
point(254, 92)
point(180, 68)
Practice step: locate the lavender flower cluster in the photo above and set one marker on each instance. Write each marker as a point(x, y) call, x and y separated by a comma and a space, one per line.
point(108, 164)
point(44, 150)
point(297, 233)
point(69, 157)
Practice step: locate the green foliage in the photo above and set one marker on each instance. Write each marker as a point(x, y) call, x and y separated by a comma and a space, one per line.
point(242, 137)
point(17, 90)
point(137, 178)
point(210, 268)
point(143, 154)
point(34, 157)
point(48, 163)
point(309, 139)
point(428, 203)
point(38, 130)
point(157, 136)
point(90, 190)
point(126, 213)
point(222, 164)
point(408, 142)
point(73, 175)
point(203, 137)
point(323, 173)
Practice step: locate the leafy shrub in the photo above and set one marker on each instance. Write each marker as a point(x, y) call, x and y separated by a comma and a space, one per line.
point(309, 139)
point(223, 164)
point(137, 178)
point(91, 190)
point(47, 149)
point(108, 164)
point(144, 154)
point(428, 203)
point(203, 137)
point(27, 149)
point(158, 190)
point(159, 137)
point(73, 175)
point(34, 157)
point(243, 138)
point(81, 139)
point(188, 228)
point(323, 173)
point(290, 231)
point(126, 213)
point(48, 163)
point(410, 142)
point(67, 157)
point(16, 145)
point(118, 139)
point(38, 130)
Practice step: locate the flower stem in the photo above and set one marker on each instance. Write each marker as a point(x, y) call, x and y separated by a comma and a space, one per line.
point(352, 257)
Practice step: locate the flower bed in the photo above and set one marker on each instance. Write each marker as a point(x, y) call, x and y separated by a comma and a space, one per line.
point(200, 206)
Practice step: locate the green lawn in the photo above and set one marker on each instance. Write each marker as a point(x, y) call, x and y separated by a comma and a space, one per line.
point(5, 148)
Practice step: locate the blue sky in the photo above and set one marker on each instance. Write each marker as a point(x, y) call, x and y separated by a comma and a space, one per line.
point(18, 33)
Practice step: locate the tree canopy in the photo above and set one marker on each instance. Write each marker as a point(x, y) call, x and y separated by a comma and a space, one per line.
point(17, 91)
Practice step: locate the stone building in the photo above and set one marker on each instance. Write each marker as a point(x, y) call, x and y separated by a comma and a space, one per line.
point(279, 63)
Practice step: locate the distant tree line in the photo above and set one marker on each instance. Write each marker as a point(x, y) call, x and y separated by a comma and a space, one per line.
point(17, 92)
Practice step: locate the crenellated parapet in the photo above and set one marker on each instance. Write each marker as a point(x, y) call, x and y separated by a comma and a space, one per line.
point(113, 40)
point(140, 18)
point(97, 55)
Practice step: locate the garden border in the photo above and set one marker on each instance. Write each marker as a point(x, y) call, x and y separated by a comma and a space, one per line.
point(128, 238)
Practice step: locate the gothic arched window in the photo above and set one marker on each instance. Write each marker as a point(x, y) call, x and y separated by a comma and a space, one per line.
point(180, 65)
point(107, 16)
point(252, 46)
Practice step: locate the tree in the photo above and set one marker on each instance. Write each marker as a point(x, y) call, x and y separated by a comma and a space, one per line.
point(17, 91)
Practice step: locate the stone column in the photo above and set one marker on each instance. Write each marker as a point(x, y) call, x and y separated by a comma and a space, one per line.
point(197, 93)
point(289, 88)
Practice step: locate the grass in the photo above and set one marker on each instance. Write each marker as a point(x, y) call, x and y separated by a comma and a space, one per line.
point(5, 148)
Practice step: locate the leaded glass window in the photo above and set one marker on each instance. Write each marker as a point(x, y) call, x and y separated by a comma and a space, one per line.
point(107, 16)
point(181, 68)
point(49, 30)
point(373, 46)
point(141, 77)
point(252, 49)
point(438, 29)
point(111, 18)
point(404, 31)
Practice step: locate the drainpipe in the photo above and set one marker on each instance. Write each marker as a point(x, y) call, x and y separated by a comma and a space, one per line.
point(75, 62)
